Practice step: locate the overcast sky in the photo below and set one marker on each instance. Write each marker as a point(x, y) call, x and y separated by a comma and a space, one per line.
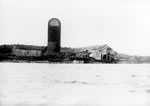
point(122, 24)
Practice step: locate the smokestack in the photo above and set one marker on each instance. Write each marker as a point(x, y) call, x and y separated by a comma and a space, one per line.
point(54, 36)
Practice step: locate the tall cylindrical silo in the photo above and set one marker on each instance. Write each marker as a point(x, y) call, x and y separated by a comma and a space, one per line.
point(54, 36)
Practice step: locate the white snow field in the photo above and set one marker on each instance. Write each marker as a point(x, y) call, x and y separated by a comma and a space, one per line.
point(37, 84)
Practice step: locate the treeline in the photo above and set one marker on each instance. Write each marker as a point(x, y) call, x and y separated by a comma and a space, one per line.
point(6, 49)
point(49, 58)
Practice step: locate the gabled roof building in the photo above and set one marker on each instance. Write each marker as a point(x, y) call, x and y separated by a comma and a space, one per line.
point(99, 52)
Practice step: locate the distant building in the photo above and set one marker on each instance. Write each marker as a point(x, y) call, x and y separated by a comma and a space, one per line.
point(26, 52)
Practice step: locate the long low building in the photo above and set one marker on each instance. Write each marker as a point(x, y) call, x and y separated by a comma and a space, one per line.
point(26, 52)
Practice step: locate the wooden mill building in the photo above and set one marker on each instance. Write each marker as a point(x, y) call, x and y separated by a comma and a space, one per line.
point(102, 53)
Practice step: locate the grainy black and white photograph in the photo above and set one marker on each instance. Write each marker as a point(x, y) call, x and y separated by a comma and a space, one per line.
point(74, 53)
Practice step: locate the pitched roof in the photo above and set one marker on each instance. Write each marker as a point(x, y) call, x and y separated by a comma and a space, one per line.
point(91, 48)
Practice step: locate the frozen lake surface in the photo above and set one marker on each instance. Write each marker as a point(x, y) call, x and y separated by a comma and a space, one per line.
point(36, 84)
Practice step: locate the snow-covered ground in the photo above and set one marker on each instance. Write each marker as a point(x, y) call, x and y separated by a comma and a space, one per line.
point(36, 84)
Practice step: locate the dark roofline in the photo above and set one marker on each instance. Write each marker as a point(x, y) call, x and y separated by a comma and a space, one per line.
point(95, 47)
point(25, 47)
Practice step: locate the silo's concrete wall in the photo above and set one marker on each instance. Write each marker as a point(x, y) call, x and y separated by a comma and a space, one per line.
point(54, 36)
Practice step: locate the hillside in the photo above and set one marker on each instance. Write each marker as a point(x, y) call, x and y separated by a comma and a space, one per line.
point(124, 58)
